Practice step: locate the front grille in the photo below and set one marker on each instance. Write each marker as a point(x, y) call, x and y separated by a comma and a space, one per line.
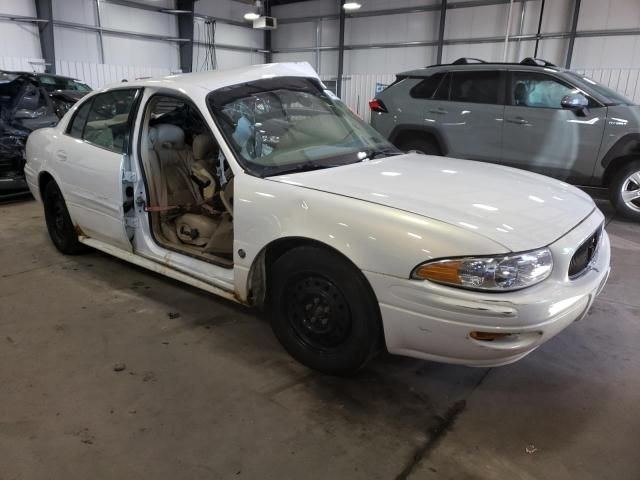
point(584, 255)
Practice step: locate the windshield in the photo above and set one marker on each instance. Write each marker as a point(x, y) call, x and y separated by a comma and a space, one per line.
point(287, 124)
point(51, 83)
point(614, 97)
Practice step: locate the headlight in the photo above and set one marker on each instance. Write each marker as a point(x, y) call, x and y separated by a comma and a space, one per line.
point(498, 273)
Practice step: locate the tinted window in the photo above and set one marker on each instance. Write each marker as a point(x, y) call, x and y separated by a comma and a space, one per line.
point(427, 87)
point(52, 83)
point(108, 121)
point(443, 90)
point(77, 124)
point(475, 87)
point(532, 89)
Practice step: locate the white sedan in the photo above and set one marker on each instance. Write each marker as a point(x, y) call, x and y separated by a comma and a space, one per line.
point(259, 185)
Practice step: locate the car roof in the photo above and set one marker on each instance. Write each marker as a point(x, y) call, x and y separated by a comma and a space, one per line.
point(192, 83)
point(461, 64)
point(38, 74)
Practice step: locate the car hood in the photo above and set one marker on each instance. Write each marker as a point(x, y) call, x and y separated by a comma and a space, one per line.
point(517, 209)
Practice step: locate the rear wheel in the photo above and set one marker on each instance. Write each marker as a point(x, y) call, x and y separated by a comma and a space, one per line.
point(420, 145)
point(625, 191)
point(58, 221)
point(323, 311)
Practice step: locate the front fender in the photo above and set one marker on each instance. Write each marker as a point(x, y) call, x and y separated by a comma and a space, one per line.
point(374, 237)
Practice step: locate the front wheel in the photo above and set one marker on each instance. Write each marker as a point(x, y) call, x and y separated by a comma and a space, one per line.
point(323, 311)
point(58, 221)
point(625, 191)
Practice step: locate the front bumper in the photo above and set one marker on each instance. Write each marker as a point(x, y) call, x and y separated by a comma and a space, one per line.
point(425, 320)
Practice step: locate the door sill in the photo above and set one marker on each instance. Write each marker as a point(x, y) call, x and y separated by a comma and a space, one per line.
point(157, 267)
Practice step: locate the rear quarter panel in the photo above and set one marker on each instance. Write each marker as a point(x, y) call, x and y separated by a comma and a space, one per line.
point(38, 150)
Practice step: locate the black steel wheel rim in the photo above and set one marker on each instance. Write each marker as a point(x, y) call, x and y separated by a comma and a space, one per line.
point(318, 312)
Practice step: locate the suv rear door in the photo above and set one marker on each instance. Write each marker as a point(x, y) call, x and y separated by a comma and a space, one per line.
point(541, 136)
point(467, 110)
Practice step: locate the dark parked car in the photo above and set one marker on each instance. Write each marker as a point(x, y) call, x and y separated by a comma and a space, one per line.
point(530, 115)
point(29, 101)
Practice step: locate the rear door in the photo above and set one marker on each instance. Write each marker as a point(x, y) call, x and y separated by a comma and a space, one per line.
point(93, 161)
point(467, 110)
point(541, 136)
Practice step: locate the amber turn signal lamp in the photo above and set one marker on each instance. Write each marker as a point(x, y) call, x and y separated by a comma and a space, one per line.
point(446, 272)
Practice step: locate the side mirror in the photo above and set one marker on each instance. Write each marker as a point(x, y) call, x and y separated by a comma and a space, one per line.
point(576, 102)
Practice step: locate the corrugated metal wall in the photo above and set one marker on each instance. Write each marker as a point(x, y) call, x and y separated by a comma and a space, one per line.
point(96, 75)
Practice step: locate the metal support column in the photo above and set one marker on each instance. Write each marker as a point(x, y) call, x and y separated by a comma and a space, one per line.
point(572, 33)
point(535, 52)
point(100, 36)
point(44, 11)
point(343, 17)
point(443, 17)
point(268, 56)
point(185, 30)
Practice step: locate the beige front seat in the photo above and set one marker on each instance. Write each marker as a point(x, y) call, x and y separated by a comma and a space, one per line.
point(175, 166)
point(205, 152)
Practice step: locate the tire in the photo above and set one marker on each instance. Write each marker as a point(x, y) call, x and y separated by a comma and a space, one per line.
point(420, 145)
point(323, 311)
point(59, 225)
point(624, 190)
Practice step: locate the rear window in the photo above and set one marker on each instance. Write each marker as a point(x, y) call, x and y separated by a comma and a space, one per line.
point(475, 87)
point(427, 87)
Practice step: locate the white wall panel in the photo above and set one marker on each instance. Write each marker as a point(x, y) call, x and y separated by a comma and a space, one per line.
point(392, 28)
point(138, 51)
point(78, 45)
point(607, 52)
point(19, 39)
point(137, 20)
point(295, 35)
point(22, 64)
point(97, 75)
point(388, 60)
point(609, 14)
point(230, 34)
point(77, 11)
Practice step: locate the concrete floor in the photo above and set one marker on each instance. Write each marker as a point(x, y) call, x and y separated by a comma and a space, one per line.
point(207, 391)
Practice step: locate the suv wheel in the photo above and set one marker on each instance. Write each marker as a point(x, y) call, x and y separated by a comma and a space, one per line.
point(323, 311)
point(625, 191)
point(420, 145)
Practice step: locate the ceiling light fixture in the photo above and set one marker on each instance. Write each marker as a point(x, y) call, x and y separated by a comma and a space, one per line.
point(351, 6)
point(254, 14)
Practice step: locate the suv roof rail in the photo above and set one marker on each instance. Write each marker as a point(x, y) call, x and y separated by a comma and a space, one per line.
point(536, 62)
point(467, 60)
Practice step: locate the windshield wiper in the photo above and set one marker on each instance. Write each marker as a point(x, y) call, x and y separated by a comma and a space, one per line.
point(303, 167)
point(383, 152)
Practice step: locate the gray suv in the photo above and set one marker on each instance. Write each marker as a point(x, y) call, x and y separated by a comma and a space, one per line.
point(531, 115)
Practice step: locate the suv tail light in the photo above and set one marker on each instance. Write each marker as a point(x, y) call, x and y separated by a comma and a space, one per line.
point(376, 105)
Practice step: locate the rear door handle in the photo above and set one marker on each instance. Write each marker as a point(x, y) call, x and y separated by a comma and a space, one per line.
point(61, 155)
point(518, 121)
point(439, 111)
